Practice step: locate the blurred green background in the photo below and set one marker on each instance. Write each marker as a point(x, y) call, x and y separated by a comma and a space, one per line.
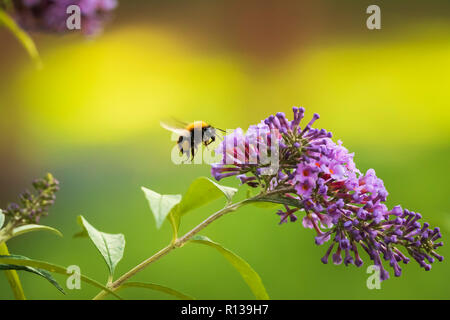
point(91, 117)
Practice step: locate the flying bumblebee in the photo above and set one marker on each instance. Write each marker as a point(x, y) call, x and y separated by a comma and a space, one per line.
point(191, 135)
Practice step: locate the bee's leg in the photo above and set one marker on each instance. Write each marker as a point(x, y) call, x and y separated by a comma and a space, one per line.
point(207, 143)
point(183, 153)
point(193, 152)
point(186, 152)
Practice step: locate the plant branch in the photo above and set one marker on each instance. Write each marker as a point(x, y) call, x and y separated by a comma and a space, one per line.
point(12, 276)
point(182, 241)
point(6, 232)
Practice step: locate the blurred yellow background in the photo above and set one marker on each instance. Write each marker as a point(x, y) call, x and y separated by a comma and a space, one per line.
point(91, 117)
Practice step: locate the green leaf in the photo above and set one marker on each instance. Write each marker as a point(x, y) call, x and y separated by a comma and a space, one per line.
point(270, 205)
point(13, 277)
point(40, 272)
point(51, 268)
point(277, 198)
point(266, 205)
point(21, 35)
point(160, 204)
point(201, 191)
point(32, 228)
point(249, 275)
point(2, 218)
point(82, 234)
point(111, 246)
point(157, 287)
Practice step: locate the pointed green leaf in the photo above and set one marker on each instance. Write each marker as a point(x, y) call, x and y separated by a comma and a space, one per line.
point(2, 218)
point(261, 204)
point(157, 287)
point(278, 198)
point(160, 204)
point(266, 205)
point(40, 272)
point(111, 246)
point(81, 234)
point(51, 268)
point(249, 275)
point(201, 191)
point(34, 227)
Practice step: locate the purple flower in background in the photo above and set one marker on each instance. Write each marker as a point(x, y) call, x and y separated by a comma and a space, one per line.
point(33, 206)
point(51, 15)
point(318, 178)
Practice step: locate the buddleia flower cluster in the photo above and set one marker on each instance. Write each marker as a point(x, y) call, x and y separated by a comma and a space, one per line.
point(52, 15)
point(33, 206)
point(319, 182)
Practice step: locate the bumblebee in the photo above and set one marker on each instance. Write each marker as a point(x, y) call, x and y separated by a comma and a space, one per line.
point(191, 135)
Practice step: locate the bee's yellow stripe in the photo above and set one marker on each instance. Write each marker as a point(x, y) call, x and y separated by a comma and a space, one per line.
point(197, 124)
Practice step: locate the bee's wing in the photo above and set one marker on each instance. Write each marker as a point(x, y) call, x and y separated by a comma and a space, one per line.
point(178, 131)
point(179, 122)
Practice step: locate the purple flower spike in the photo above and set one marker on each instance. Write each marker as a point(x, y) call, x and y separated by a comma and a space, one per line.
point(35, 205)
point(318, 178)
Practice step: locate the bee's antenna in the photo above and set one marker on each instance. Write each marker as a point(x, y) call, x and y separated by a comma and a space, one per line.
point(221, 130)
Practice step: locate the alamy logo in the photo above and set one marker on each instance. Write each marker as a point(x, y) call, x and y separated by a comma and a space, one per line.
point(73, 21)
point(374, 20)
point(373, 282)
point(74, 280)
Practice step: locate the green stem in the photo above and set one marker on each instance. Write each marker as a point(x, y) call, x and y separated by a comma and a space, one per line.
point(22, 36)
point(12, 276)
point(181, 241)
point(6, 232)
